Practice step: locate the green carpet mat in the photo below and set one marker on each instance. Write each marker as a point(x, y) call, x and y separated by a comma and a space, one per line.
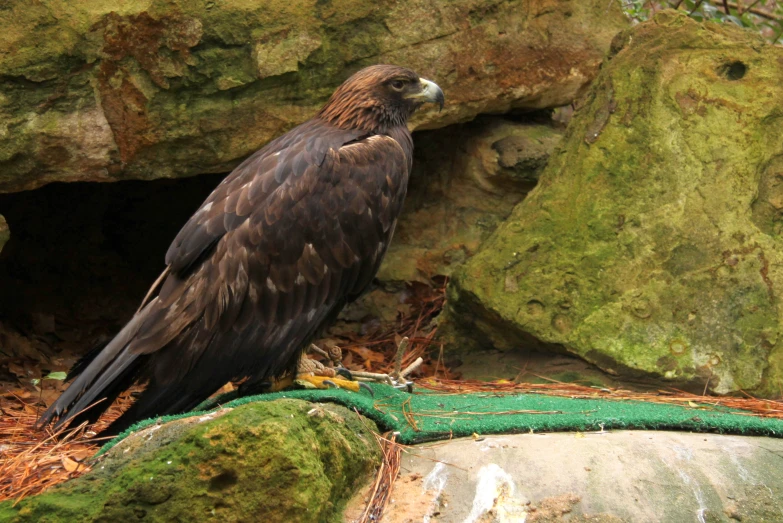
point(428, 415)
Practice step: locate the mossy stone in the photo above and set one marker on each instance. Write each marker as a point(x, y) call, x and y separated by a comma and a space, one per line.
point(652, 244)
point(284, 460)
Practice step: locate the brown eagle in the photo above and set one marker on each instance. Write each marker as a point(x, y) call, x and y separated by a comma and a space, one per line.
point(294, 233)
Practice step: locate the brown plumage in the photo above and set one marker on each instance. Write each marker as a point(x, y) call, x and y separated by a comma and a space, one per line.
point(294, 233)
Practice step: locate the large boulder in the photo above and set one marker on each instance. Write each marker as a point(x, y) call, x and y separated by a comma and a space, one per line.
point(652, 245)
point(283, 460)
point(600, 477)
point(149, 89)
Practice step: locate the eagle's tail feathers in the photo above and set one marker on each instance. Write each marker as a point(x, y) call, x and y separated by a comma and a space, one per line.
point(172, 393)
point(99, 390)
point(95, 379)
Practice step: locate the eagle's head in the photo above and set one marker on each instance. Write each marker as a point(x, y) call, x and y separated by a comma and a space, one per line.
point(378, 98)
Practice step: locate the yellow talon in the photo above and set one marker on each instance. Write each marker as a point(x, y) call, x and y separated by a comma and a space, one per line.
point(317, 382)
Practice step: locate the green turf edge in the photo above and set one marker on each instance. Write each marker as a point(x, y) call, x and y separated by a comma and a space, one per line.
point(443, 416)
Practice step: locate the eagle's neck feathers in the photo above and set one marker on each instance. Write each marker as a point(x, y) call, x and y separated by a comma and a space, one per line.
point(352, 110)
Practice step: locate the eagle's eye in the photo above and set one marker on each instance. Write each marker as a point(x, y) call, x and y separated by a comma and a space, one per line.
point(397, 85)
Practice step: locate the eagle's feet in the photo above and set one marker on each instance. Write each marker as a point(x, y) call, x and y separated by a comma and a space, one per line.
point(312, 374)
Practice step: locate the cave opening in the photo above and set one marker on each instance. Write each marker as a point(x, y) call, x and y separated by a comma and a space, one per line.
point(82, 255)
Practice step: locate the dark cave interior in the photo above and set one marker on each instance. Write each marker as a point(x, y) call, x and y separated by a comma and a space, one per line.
point(82, 255)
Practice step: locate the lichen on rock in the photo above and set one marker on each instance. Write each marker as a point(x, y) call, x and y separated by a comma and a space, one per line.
point(651, 245)
point(283, 460)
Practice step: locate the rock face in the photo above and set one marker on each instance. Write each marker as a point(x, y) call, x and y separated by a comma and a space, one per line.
point(151, 88)
point(652, 244)
point(284, 460)
point(466, 180)
point(601, 477)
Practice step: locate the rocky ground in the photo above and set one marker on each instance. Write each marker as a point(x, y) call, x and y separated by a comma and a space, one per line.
point(287, 460)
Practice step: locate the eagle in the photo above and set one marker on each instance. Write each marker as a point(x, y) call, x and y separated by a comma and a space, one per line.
point(285, 241)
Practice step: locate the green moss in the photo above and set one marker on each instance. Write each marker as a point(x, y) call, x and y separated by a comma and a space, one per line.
point(641, 232)
point(286, 460)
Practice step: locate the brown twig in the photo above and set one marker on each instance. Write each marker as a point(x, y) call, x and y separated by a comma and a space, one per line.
point(739, 7)
point(755, 11)
point(384, 479)
point(401, 348)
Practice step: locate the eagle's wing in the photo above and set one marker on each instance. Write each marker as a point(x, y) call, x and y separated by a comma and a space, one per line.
point(273, 253)
point(251, 184)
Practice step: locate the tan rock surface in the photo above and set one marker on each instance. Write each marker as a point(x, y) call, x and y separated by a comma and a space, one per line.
point(99, 90)
point(606, 477)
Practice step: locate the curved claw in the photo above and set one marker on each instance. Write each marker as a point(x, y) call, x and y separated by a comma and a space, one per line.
point(345, 373)
point(366, 387)
point(407, 385)
point(330, 384)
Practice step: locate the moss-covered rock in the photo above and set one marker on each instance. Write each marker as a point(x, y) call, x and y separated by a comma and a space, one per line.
point(284, 460)
point(652, 245)
point(101, 90)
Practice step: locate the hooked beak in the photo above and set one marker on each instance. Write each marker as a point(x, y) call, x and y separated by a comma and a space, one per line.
point(430, 92)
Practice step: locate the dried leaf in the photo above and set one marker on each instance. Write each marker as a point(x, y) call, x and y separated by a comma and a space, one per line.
point(81, 455)
point(69, 464)
point(18, 393)
point(367, 354)
point(49, 396)
point(17, 370)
